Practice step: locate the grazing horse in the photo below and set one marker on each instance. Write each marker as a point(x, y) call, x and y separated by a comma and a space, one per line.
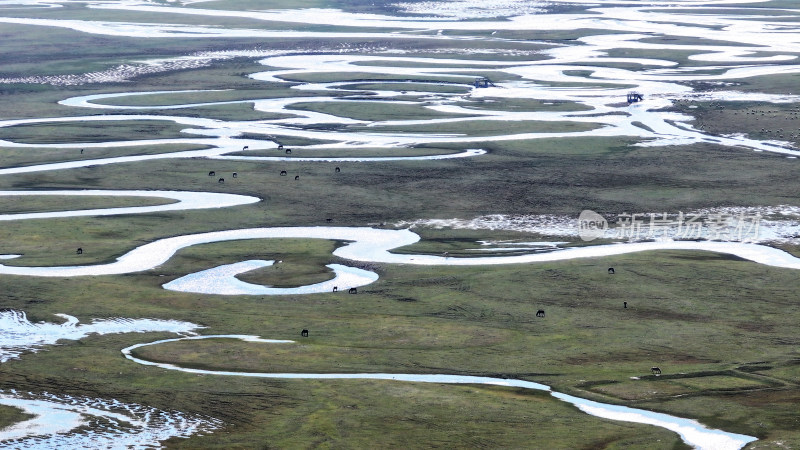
point(655, 370)
point(245, 147)
point(329, 220)
point(353, 291)
point(221, 180)
point(283, 173)
point(280, 146)
point(304, 333)
point(338, 170)
point(212, 173)
point(611, 271)
point(540, 313)
point(288, 151)
point(79, 251)
point(235, 174)
point(297, 177)
point(336, 289)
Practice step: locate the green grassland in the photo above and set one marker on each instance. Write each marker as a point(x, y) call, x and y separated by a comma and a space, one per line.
point(328, 77)
point(29, 156)
point(80, 12)
point(281, 139)
point(409, 87)
point(373, 111)
point(44, 203)
point(761, 121)
point(209, 96)
point(771, 84)
point(524, 105)
point(689, 312)
point(478, 127)
point(722, 330)
point(684, 384)
point(225, 112)
point(533, 177)
point(10, 415)
point(32, 101)
point(90, 132)
point(323, 152)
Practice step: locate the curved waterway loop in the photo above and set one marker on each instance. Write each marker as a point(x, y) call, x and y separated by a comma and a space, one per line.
point(374, 245)
point(649, 122)
point(692, 432)
point(222, 280)
point(221, 136)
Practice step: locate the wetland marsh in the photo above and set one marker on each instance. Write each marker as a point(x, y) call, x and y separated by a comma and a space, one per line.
point(196, 177)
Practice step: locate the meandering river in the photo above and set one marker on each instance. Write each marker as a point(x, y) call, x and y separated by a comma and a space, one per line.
point(739, 45)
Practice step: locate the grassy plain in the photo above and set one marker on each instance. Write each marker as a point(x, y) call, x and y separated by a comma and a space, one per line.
point(45, 203)
point(757, 120)
point(723, 330)
point(90, 132)
point(732, 322)
point(373, 111)
point(33, 155)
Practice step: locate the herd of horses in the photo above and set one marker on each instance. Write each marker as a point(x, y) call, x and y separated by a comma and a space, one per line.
point(352, 290)
point(539, 313)
point(283, 173)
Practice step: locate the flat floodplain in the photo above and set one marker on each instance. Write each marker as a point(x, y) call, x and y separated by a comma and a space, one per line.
point(484, 129)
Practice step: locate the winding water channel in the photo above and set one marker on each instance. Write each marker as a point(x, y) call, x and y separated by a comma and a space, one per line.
point(579, 72)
